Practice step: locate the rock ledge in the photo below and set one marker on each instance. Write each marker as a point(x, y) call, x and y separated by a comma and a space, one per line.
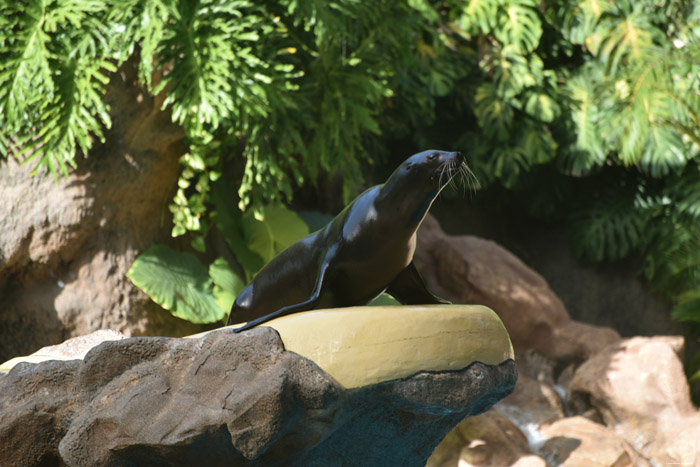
point(229, 399)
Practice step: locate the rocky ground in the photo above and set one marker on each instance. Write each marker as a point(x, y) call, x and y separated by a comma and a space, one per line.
point(584, 397)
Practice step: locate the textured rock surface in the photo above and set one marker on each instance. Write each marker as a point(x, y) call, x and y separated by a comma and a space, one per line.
point(576, 441)
point(467, 269)
point(149, 400)
point(627, 401)
point(532, 403)
point(487, 440)
point(639, 388)
point(71, 349)
point(66, 244)
point(631, 407)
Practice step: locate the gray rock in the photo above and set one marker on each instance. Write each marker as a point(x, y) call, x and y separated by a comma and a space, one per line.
point(228, 399)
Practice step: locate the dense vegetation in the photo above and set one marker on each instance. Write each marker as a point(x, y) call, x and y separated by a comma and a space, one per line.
point(583, 107)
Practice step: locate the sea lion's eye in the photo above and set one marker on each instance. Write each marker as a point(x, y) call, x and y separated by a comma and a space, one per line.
point(432, 156)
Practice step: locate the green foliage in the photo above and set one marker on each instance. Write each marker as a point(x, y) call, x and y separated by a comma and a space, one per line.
point(278, 229)
point(180, 283)
point(54, 58)
point(384, 300)
point(607, 231)
point(227, 284)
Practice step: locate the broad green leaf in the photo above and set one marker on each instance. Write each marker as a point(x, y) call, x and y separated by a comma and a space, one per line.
point(227, 284)
point(384, 300)
point(228, 220)
point(258, 237)
point(688, 310)
point(178, 282)
point(495, 116)
point(624, 35)
point(285, 225)
point(588, 150)
point(542, 107)
point(425, 9)
point(478, 16)
point(279, 228)
point(608, 230)
point(519, 25)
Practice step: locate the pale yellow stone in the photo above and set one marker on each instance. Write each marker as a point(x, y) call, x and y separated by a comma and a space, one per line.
point(365, 345)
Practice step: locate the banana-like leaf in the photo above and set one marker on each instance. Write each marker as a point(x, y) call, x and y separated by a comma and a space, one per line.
point(178, 282)
point(279, 228)
point(227, 284)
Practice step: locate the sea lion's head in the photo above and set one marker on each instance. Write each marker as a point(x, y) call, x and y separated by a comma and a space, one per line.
point(432, 169)
point(413, 186)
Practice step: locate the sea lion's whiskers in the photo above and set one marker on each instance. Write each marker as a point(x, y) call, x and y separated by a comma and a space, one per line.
point(470, 179)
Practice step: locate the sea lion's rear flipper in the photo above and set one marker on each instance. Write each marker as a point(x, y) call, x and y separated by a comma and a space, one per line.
point(295, 308)
point(409, 289)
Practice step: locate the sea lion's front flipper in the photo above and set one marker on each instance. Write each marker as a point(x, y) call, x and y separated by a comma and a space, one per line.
point(409, 289)
point(295, 308)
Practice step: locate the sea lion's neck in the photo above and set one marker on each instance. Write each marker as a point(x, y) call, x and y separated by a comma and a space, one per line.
point(419, 214)
point(408, 203)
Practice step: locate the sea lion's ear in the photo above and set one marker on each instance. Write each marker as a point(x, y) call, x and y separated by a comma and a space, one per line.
point(409, 165)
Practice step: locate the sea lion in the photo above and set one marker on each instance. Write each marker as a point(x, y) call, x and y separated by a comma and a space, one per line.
point(365, 250)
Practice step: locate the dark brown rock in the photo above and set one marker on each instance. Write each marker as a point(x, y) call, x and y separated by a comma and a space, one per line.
point(468, 270)
point(489, 439)
point(532, 402)
point(228, 399)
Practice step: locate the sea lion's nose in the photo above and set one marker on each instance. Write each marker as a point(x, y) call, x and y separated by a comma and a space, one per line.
point(459, 156)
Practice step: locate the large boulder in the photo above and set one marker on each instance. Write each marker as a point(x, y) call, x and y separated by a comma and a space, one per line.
point(467, 269)
point(576, 441)
point(487, 440)
point(66, 243)
point(254, 399)
point(640, 390)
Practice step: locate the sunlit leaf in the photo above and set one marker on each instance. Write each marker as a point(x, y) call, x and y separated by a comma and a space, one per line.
point(227, 284)
point(178, 282)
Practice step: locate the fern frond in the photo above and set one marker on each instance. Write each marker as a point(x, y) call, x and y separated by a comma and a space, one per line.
point(142, 23)
point(198, 46)
point(52, 83)
point(25, 76)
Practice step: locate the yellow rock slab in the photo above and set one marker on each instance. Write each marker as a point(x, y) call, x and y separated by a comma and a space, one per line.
point(365, 345)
